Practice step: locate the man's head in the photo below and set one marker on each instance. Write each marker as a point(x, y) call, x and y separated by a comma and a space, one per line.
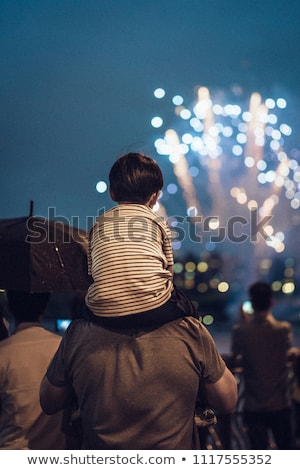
point(27, 306)
point(261, 296)
point(134, 178)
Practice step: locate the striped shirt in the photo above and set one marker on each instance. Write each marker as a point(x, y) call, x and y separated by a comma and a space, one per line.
point(130, 259)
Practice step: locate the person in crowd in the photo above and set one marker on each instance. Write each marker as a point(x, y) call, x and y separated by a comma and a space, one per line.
point(24, 358)
point(294, 357)
point(262, 345)
point(4, 325)
point(130, 254)
point(138, 388)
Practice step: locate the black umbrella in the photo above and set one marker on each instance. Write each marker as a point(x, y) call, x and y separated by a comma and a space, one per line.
point(41, 255)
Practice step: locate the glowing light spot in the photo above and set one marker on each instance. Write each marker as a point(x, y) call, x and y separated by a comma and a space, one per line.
point(282, 156)
point(297, 176)
point(295, 204)
point(185, 114)
point(197, 144)
point(214, 282)
point(241, 138)
point(214, 223)
point(189, 284)
point(288, 288)
point(159, 142)
point(196, 124)
point(172, 188)
point(281, 103)
point(190, 266)
point(202, 287)
point(289, 262)
point(274, 145)
point(237, 150)
point(177, 100)
point(202, 267)
point(276, 135)
point(210, 246)
point(285, 129)
point(247, 116)
point(272, 118)
point(269, 230)
point(178, 268)
point(213, 131)
point(252, 204)
point(269, 130)
point(194, 171)
point(159, 93)
point(192, 211)
point(156, 122)
point(261, 165)
point(242, 127)
point(249, 162)
point(261, 178)
point(176, 245)
point(234, 191)
point(289, 272)
point(276, 286)
point(289, 194)
point(101, 187)
point(187, 138)
point(208, 319)
point(183, 149)
point(241, 198)
point(280, 236)
point(293, 164)
point(270, 103)
point(227, 131)
point(217, 109)
point(284, 169)
point(174, 157)
point(223, 286)
point(270, 176)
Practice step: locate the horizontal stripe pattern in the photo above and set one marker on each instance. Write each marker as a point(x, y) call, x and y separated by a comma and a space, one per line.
point(130, 255)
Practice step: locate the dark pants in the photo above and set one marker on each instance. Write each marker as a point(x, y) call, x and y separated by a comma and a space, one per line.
point(178, 306)
point(260, 423)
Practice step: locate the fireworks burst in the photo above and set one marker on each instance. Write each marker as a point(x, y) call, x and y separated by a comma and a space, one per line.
point(229, 161)
point(242, 152)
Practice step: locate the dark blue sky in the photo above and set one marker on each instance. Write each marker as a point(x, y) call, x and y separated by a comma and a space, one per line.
point(77, 81)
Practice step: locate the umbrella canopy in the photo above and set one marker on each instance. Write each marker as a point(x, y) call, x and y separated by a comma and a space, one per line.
point(41, 255)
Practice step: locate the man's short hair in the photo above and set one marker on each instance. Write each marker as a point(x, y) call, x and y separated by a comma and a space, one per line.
point(27, 306)
point(134, 177)
point(261, 295)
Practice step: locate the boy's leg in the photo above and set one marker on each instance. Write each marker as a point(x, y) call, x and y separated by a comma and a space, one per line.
point(184, 303)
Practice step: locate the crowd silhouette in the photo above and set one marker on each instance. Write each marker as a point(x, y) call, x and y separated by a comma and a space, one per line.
point(137, 368)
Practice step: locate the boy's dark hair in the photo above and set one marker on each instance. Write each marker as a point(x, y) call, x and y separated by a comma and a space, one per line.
point(27, 306)
point(134, 177)
point(261, 295)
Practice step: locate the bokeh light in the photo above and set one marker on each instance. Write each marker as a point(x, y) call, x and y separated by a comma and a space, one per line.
point(229, 168)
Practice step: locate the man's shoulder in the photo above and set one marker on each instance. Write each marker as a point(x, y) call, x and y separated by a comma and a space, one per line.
point(282, 325)
point(186, 327)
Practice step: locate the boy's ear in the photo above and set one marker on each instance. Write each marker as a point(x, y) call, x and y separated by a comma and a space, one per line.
point(153, 198)
point(112, 195)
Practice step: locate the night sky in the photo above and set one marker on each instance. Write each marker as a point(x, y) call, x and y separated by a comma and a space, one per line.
point(77, 88)
point(77, 81)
